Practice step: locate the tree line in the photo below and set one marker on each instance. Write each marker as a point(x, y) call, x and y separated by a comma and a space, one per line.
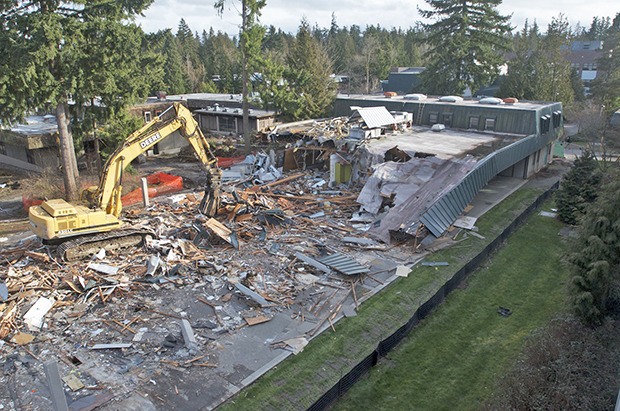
point(86, 61)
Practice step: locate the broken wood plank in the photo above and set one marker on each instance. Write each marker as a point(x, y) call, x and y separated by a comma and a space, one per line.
point(259, 319)
point(223, 232)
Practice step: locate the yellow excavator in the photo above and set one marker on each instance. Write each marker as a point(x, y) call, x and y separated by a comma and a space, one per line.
point(82, 230)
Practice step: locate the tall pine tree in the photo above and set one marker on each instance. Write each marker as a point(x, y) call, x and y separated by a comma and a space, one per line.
point(467, 42)
point(52, 49)
point(309, 76)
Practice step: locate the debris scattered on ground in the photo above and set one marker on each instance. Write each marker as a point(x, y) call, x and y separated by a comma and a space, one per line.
point(504, 312)
point(288, 251)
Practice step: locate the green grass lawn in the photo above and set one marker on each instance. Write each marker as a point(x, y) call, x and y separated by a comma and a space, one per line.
point(453, 358)
point(300, 380)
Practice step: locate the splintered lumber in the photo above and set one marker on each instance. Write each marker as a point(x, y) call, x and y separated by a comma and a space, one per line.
point(223, 232)
point(276, 182)
point(330, 315)
point(259, 319)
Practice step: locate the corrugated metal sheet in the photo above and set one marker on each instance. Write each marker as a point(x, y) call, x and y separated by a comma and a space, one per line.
point(343, 264)
point(375, 117)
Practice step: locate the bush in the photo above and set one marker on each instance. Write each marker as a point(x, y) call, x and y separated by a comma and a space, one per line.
point(564, 366)
point(578, 189)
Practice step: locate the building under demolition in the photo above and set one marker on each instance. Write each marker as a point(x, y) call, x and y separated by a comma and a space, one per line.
point(514, 139)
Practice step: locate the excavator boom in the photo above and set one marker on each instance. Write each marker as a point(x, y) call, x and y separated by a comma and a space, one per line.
point(57, 220)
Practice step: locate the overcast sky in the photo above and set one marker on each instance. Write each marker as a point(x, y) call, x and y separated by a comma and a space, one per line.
point(287, 14)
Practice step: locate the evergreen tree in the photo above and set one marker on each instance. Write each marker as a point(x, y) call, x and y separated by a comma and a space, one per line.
point(606, 87)
point(467, 42)
point(521, 69)
point(552, 68)
point(174, 77)
point(595, 263)
point(579, 188)
point(251, 36)
point(50, 51)
point(309, 76)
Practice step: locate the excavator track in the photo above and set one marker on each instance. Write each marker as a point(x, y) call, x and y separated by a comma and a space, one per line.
point(83, 247)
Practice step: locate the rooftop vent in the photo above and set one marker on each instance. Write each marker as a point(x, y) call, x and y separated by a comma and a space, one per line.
point(415, 96)
point(491, 100)
point(450, 99)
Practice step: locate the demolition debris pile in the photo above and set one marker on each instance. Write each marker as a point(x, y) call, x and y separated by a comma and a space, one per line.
point(282, 251)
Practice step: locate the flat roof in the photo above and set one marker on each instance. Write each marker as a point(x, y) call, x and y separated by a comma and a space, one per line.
point(220, 97)
point(234, 111)
point(445, 144)
point(431, 100)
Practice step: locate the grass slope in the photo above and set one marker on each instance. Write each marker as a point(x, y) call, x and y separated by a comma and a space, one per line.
point(454, 357)
point(299, 381)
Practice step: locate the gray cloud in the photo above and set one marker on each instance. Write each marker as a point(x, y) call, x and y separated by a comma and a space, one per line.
point(287, 14)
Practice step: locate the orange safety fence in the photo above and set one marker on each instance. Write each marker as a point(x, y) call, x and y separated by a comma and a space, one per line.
point(159, 184)
point(224, 162)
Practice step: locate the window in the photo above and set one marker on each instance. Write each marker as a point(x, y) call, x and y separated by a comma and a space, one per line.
point(447, 119)
point(489, 124)
point(557, 119)
point(432, 118)
point(545, 123)
point(474, 121)
point(147, 116)
point(227, 123)
point(2, 148)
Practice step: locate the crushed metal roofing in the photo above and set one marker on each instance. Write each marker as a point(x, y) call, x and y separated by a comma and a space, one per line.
point(447, 208)
point(374, 117)
point(343, 264)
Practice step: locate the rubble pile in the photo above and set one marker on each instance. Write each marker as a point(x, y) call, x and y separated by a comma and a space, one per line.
point(280, 252)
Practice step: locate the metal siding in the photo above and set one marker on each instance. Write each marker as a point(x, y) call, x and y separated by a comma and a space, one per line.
point(442, 213)
point(375, 117)
point(343, 264)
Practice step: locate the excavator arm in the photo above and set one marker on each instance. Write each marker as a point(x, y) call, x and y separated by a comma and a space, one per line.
point(57, 219)
point(107, 195)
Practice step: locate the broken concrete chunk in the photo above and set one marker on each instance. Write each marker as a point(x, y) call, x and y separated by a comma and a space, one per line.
point(403, 271)
point(188, 336)
point(465, 222)
point(296, 345)
point(254, 296)
point(101, 254)
point(34, 317)
point(307, 279)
